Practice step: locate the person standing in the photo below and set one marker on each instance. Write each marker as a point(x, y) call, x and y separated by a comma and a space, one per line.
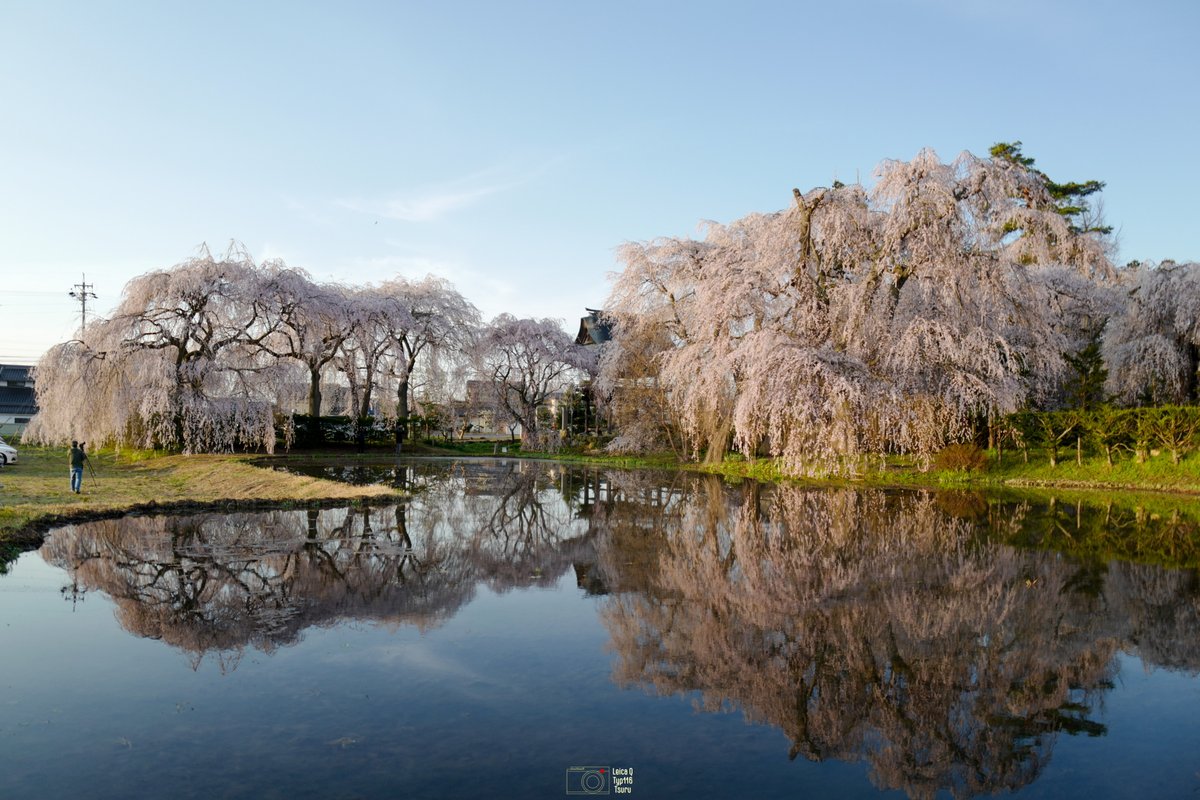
point(77, 458)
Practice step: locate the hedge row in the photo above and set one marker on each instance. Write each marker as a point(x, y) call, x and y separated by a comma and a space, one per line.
point(1106, 430)
point(309, 431)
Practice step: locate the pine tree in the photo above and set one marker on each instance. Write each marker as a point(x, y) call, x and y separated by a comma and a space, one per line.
point(1070, 199)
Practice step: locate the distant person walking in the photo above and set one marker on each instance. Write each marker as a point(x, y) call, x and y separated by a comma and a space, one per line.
point(78, 456)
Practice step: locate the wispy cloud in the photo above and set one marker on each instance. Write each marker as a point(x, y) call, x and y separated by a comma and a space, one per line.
point(435, 201)
point(430, 203)
point(437, 204)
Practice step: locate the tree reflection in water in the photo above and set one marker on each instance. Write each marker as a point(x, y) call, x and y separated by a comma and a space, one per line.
point(896, 627)
point(875, 625)
point(216, 583)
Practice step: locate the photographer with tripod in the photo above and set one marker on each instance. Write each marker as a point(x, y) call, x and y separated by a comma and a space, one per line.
point(78, 459)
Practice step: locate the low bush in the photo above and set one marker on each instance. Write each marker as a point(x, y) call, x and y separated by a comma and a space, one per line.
point(961, 457)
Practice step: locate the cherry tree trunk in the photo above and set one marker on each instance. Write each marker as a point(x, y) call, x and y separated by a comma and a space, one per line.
point(314, 392)
point(315, 432)
point(401, 414)
point(529, 433)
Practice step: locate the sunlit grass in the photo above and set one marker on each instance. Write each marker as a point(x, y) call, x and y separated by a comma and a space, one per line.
point(38, 485)
point(1158, 473)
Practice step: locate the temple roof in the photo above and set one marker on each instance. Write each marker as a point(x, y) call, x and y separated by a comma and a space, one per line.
point(17, 401)
point(594, 329)
point(15, 372)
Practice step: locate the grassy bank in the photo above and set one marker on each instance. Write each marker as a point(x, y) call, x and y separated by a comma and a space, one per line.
point(36, 491)
point(1157, 474)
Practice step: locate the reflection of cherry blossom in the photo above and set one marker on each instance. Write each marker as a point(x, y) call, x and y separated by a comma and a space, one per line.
point(897, 628)
point(870, 625)
point(218, 582)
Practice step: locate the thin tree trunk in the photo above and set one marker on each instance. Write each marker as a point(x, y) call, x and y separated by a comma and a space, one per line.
point(401, 414)
point(314, 392)
point(316, 433)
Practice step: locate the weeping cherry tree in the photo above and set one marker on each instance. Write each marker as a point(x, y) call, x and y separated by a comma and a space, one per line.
point(426, 319)
point(310, 322)
point(525, 361)
point(1152, 348)
point(855, 322)
point(179, 364)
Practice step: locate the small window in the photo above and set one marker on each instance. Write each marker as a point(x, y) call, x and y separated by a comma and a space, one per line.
point(21, 420)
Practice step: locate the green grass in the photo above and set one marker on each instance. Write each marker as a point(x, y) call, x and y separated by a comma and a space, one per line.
point(37, 489)
point(1157, 474)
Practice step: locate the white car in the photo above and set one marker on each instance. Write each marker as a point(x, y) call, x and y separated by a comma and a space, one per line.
point(8, 453)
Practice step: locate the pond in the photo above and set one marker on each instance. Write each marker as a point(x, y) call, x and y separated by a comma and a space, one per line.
point(526, 629)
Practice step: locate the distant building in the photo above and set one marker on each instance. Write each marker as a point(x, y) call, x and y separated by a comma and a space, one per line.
point(594, 328)
point(481, 413)
point(478, 393)
point(18, 403)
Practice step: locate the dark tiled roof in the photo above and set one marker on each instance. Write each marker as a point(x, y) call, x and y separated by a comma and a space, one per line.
point(14, 372)
point(18, 400)
point(594, 329)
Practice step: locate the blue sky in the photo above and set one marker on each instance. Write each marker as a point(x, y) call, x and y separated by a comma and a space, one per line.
point(511, 146)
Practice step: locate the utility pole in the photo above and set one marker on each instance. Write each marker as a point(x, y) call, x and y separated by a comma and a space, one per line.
point(81, 292)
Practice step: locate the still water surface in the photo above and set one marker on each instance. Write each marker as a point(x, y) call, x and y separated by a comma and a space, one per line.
point(517, 619)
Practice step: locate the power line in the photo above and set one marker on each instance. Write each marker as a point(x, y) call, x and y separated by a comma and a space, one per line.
point(82, 296)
